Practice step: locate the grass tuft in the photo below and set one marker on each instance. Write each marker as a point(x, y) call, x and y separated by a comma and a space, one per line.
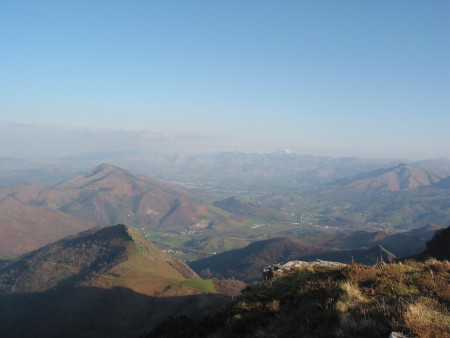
point(427, 318)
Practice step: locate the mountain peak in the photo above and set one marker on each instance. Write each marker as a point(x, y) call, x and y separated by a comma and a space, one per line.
point(104, 168)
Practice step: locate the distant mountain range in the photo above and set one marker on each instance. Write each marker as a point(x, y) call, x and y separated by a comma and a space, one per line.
point(104, 282)
point(405, 195)
point(399, 178)
point(216, 167)
point(401, 196)
point(402, 244)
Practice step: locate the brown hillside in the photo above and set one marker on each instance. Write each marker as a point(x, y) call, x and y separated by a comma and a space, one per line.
point(109, 195)
point(25, 228)
point(35, 216)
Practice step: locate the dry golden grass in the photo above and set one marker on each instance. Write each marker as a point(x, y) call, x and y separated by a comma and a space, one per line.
point(427, 318)
point(353, 301)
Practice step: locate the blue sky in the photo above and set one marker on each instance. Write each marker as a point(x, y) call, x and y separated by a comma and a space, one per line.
point(337, 78)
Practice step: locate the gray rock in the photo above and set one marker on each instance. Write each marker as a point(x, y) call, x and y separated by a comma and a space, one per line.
point(280, 269)
point(398, 335)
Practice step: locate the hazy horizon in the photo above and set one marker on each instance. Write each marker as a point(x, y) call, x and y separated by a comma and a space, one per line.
point(338, 79)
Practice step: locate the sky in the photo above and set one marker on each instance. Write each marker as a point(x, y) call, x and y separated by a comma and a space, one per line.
point(333, 78)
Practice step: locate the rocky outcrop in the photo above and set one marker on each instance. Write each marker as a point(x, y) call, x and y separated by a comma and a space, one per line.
point(398, 335)
point(280, 269)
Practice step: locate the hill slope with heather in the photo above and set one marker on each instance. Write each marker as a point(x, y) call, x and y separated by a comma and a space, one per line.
point(104, 282)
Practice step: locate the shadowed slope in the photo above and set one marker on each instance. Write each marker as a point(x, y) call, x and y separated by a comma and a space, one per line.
point(246, 263)
point(439, 246)
point(94, 312)
point(104, 257)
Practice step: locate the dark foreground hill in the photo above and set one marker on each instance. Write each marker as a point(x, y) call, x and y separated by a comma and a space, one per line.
point(335, 301)
point(439, 246)
point(104, 282)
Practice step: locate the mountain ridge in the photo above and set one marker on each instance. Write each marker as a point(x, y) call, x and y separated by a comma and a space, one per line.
point(101, 256)
point(103, 282)
point(401, 177)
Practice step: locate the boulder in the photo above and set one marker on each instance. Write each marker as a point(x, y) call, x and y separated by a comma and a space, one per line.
point(398, 335)
point(280, 269)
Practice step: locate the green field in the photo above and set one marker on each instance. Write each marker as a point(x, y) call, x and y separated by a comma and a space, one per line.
point(199, 284)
